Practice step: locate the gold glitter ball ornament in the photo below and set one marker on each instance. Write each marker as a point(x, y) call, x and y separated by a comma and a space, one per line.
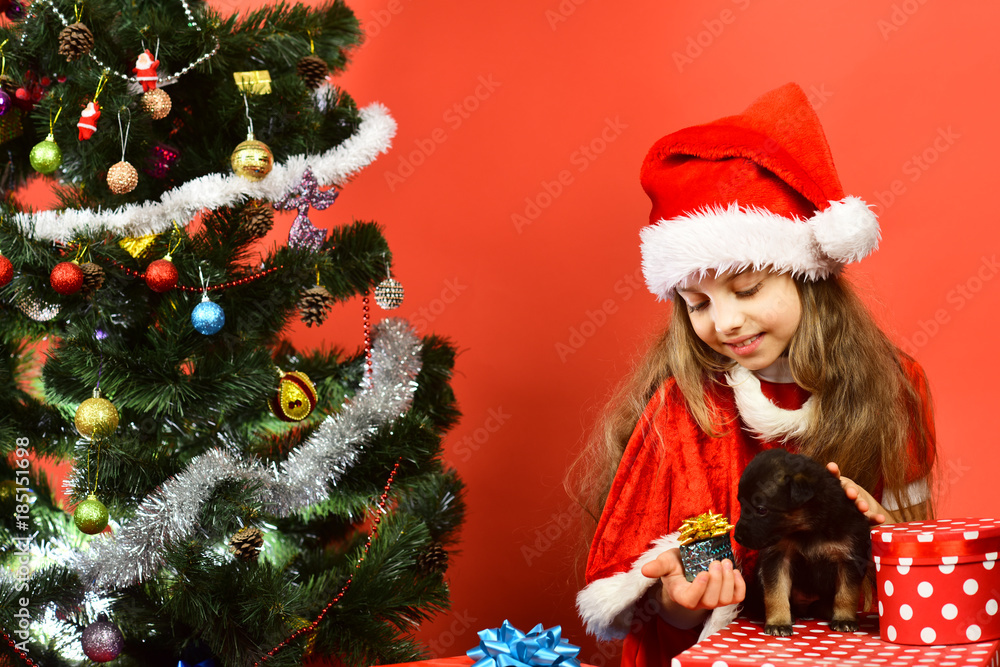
point(252, 159)
point(91, 516)
point(122, 178)
point(389, 294)
point(156, 103)
point(96, 417)
point(46, 155)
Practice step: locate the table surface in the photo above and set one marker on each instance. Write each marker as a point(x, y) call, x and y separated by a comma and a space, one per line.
point(743, 644)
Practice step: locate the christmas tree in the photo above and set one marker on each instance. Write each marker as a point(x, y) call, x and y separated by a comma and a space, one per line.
point(233, 500)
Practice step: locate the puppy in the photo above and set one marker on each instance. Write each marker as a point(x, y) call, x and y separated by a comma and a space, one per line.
point(811, 538)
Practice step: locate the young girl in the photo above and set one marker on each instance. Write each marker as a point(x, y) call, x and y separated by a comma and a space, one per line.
point(767, 346)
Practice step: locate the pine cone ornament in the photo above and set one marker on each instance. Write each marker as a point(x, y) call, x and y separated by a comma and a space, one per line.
point(312, 70)
point(246, 543)
point(75, 41)
point(314, 304)
point(93, 277)
point(8, 85)
point(258, 218)
point(432, 560)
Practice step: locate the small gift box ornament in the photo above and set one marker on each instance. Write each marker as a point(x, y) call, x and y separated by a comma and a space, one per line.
point(938, 581)
point(704, 538)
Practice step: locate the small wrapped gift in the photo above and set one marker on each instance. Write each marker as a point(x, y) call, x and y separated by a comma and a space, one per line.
point(938, 582)
point(704, 538)
point(507, 646)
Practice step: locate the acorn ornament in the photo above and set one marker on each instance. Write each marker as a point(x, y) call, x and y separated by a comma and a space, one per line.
point(66, 278)
point(96, 417)
point(156, 103)
point(161, 275)
point(314, 305)
point(245, 544)
point(91, 516)
point(75, 41)
point(252, 159)
point(295, 398)
point(312, 70)
point(93, 277)
point(46, 156)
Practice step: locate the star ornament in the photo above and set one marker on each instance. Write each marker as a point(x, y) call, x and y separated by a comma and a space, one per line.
point(306, 195)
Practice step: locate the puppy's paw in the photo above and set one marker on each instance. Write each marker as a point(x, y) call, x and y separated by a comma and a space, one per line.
point(778, 630)
point(850, 625)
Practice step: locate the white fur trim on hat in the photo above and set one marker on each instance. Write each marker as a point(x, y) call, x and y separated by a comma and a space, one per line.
point(607, 606)
point(734, 238)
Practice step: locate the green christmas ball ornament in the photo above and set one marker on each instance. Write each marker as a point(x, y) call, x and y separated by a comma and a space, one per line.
point(91, 516)
point(46, 156)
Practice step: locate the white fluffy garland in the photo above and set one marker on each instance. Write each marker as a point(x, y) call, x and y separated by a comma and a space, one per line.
point(334, 167)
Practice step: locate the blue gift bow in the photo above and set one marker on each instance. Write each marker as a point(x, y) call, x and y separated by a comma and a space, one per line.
point(204, 663)
point(507, 646)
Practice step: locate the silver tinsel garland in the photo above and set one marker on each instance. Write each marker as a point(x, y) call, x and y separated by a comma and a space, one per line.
point(169, 515)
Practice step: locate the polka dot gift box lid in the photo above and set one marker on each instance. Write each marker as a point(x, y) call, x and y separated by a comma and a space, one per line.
point(743, 644)
point(938, 582)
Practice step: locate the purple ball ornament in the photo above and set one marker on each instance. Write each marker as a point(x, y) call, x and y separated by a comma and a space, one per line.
point(5, 103)
point(14, 11)
point(102, 641)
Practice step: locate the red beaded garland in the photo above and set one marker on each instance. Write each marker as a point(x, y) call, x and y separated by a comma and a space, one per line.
point(161, 275)
point(21, 654)
point(368, 340)
point(6, 271)
point(211, 288)
point(66, 277)
point(347, 584)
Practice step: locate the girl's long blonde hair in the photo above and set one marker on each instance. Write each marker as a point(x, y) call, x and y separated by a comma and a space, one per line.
point(867, 411)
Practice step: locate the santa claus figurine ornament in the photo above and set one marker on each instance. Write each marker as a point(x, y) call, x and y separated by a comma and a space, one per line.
point(87, 124)
point(145, 70)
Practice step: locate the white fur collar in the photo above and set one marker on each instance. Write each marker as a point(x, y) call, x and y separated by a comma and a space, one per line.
point(762, 417)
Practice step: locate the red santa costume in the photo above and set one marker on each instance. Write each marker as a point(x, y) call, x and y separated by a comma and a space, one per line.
point(87, 124)
point(145, 70)
point(756, 189)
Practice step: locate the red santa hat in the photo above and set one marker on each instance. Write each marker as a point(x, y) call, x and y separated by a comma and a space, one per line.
point(752, 190)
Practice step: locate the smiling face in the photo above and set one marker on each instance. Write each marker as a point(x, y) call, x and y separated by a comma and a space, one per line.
point(749, 316)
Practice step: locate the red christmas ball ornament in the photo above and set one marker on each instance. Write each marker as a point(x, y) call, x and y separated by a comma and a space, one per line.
point(161, 275)
point(66, 277)
point(6, 271)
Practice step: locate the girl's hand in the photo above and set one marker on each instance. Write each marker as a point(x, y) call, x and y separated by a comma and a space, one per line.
point(721, 585)
point(862, 499)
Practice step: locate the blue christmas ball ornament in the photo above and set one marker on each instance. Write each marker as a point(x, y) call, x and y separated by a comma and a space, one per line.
point(207, 317)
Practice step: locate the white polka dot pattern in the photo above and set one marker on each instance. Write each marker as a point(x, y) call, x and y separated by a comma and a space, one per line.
point(939, 585)
point(744, 644)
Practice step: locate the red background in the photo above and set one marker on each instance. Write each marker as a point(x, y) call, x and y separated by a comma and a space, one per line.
point(545, 314)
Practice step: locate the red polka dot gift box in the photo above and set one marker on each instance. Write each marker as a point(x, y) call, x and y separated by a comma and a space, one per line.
point(938, 581)
point(743, 643)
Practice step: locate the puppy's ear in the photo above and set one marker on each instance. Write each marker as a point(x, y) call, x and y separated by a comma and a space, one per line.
point(802, 488)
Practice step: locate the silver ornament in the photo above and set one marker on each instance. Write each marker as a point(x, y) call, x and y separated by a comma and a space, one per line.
point(389, 294)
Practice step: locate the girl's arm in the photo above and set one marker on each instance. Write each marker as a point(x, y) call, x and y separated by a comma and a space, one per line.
point(685, 604)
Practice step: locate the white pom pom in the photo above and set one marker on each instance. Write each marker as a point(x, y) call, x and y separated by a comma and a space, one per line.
point(847, 231)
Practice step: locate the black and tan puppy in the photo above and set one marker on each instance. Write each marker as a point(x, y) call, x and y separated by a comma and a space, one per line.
point(814, 543)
